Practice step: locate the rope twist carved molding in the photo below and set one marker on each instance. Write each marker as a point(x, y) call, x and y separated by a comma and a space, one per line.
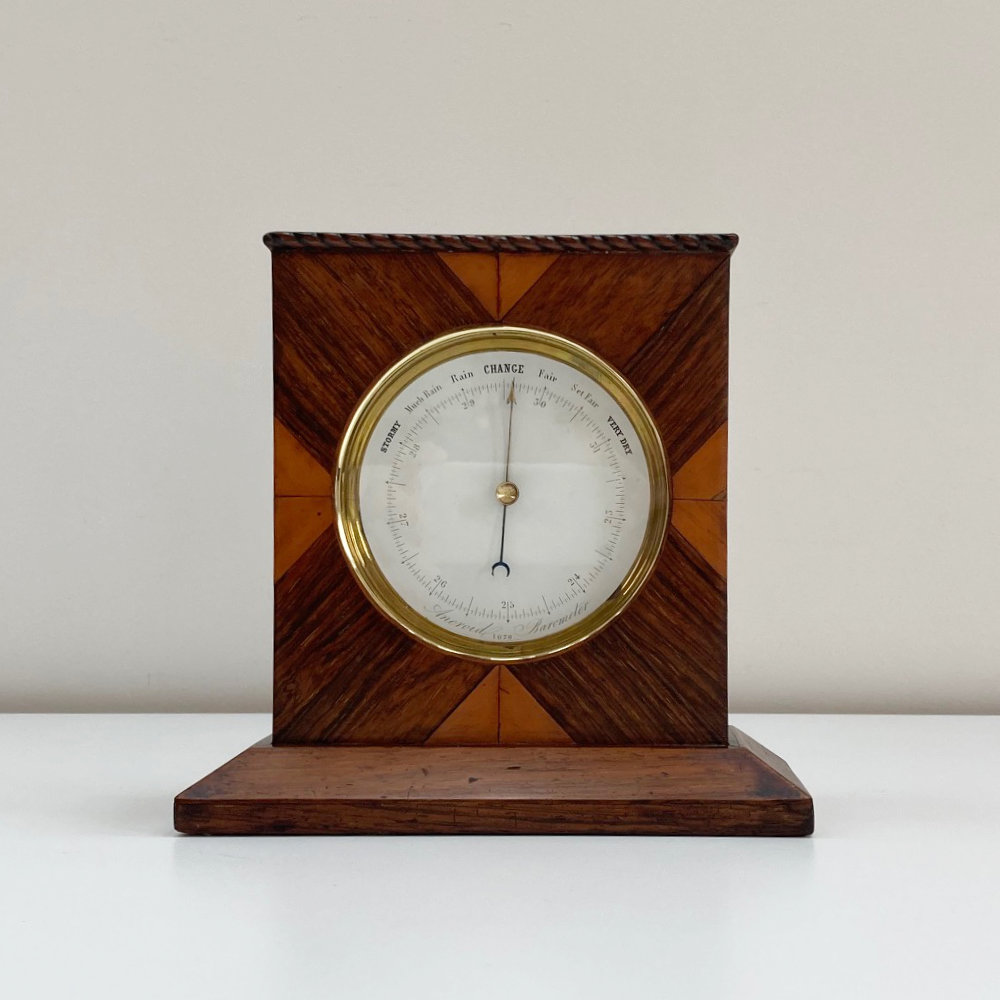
point(388, 242)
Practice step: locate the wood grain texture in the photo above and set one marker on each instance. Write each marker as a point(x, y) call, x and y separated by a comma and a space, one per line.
point(480, 273)
point(657, 674)
point(703, 475)
point(342, 674)
point(340, 320)
point(517, 273)
point(298, 522)
point(613, 304)
point(296, 472)
point(736, 789)
point(476, 721)
point(703, 524)
point(499, 712)
point(682, 373)
point(523, 722)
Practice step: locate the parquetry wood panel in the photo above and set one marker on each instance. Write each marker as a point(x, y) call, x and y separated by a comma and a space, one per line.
point(584, 298)
point(657, 673)
point(656, 307)
point(340, 320)
point(333, 682)
point(682, 373)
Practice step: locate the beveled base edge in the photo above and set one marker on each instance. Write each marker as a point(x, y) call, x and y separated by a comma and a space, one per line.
point(737, 790)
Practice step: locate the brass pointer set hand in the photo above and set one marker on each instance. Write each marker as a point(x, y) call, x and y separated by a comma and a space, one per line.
point(507, 493)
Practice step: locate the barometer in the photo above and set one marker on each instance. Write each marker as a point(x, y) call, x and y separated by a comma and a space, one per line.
point(500, 546)
point(501, 493)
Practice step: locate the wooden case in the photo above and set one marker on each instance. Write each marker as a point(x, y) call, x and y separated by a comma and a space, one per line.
point(656, 307)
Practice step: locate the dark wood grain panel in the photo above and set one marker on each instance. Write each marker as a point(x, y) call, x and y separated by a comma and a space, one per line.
point(341, 319)
point(682, 373)
point(339, 322)
point(342, 674)
point(657, 673)
point(612, 303)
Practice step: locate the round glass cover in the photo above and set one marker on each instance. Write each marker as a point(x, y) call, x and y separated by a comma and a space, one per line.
point(501, 493)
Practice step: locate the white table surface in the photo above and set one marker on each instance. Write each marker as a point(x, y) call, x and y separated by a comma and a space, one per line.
point(896, 895)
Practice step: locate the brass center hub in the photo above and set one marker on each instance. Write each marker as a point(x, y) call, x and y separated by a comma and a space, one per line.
point(507, 493)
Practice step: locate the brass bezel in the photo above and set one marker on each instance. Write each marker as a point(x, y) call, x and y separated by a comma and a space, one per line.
point(348, 474)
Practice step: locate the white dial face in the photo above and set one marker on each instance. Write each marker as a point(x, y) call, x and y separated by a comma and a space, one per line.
point(504, 495)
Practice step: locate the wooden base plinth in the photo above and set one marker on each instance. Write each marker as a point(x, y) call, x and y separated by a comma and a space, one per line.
point(737, 790)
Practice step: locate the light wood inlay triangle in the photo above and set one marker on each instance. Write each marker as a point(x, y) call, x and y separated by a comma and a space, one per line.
point(703, 475)
point(296, 472)
point(518, 272)
point(298, 522)
point(479, 272)
point(474, 721)
point(523, 722)
point(703, 524)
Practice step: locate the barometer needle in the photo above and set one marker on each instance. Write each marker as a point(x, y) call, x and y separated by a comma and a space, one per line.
point(506, 492)
point(510, 421)
point(503, 530)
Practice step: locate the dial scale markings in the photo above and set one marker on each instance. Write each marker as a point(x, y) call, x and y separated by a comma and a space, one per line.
point(449, 447)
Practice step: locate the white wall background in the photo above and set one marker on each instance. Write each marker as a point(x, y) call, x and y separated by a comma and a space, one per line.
point(147, 146)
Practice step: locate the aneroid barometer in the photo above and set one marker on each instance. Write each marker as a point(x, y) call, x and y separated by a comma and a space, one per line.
point(501, 493)
point(499, 559)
